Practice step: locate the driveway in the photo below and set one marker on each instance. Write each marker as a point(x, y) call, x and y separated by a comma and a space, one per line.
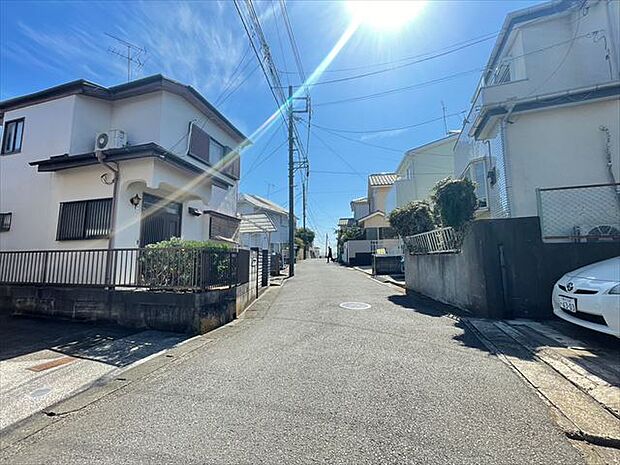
point(45, 361)
point(302, 380)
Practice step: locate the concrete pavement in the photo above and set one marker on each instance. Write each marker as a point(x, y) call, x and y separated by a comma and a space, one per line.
point(302, 380)
point(43, 362)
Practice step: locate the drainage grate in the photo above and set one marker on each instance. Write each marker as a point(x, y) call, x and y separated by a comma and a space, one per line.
point(355, 305)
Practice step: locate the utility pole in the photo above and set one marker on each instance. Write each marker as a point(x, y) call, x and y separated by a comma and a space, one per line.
point(292, 166)
point(326, 234)
point(303, 194)
point(291, 187)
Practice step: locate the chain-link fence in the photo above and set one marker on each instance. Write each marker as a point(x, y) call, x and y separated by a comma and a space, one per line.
point(580, 213)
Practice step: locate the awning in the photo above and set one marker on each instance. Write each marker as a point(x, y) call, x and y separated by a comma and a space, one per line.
point(256, 223)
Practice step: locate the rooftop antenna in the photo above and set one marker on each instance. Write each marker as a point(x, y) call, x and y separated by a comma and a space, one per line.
point(134, 54)
point(445, 122)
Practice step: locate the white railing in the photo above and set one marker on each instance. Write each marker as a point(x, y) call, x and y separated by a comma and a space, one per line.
point(352, 248)
point(390, 246)
point(440, 240)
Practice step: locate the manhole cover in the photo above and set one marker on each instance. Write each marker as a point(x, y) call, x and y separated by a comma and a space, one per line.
point(355, 305)
point(40, 392)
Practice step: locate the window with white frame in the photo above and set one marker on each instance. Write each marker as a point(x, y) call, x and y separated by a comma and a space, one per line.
point(476, 172)
point(410, 171)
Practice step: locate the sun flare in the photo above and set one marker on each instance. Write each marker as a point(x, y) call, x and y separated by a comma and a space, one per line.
point(385, 14)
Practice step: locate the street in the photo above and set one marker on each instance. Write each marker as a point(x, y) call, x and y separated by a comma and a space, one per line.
point(301, 380)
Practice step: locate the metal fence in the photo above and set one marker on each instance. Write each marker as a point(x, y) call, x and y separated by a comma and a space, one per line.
point(580, 213)
point(440, 240)
point(169, 268)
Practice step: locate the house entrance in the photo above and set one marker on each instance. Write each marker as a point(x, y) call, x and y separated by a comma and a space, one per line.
point(161, 220)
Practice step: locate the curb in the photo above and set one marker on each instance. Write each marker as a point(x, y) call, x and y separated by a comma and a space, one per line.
point(111, 383)
point(562, 417)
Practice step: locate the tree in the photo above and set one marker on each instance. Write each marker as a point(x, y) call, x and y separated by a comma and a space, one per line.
point(454, 202)
point(304, 237)
point(413, 218)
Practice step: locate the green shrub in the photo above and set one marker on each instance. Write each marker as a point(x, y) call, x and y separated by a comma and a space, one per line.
point(414, 218)
point(185, 264)
point(454, 202)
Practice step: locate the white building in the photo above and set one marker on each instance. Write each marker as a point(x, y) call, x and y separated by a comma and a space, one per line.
point(419, 171)
point(369, 214)
point(174, 154)
point(547, 115)
point(276, 241)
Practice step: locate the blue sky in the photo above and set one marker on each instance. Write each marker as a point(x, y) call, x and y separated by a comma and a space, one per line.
point(201, 43)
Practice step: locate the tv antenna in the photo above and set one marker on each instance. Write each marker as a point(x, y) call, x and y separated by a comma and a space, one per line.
point(133, 54)
point(445, 121)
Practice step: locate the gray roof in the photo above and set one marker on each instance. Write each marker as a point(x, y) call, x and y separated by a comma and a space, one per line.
point(129, 89)
point(262, 203)
point(382, 179)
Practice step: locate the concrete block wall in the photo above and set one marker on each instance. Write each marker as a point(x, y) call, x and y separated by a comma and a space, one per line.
point(190, 312)
point(517, 285)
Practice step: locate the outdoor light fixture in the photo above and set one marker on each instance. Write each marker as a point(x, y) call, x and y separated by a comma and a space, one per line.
point(194, 211)
point(135, 200)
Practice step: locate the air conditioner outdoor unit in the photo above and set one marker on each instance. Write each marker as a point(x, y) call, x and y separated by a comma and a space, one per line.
point(112, 139)
point(594, 233)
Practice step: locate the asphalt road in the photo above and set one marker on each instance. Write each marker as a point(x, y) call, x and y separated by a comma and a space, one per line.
point(305, 381)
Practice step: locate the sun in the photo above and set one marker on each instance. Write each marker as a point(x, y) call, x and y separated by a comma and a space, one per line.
point(385, 14)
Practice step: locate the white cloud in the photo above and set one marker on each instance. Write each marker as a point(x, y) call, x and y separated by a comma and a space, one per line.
point(381, 135)
point(198, 43)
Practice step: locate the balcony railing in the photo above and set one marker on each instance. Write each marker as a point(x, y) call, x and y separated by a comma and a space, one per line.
point(442, 240)
point(580, 213)
point(159, 269)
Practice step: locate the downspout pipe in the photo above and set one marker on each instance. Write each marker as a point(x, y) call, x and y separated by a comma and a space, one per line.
point(115, 170)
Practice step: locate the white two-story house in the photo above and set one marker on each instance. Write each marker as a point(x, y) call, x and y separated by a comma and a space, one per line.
point(546, 115)
point(419, 171)
point(369, 214)
point(275, 239)
point(85, 166)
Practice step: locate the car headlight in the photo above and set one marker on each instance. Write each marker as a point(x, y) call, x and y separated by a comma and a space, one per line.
point(615, 289)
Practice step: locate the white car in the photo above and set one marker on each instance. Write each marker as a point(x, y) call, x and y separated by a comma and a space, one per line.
point(590, 297)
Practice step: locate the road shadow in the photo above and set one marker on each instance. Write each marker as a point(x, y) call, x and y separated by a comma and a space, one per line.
point(425, 305)
point(595, 353)
point(113, 345)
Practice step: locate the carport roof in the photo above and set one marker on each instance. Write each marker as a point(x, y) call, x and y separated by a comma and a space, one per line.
point(256, 223)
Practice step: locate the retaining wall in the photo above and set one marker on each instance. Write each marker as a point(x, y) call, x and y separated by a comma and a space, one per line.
point(504, 270)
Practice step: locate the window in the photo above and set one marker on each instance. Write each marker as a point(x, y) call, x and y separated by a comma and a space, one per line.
point(12, 136)
point(86, 219)
point(410, 172)
point(476, 172)
point(5, 221)
point(216, 152)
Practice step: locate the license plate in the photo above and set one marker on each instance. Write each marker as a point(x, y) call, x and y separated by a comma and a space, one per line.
point(567, 304)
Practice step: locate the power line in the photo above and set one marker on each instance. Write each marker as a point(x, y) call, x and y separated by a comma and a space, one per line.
point(291, 35)
point(401, 89)
point(320, 139)
point(373, 131)
point(435, 81)
point(392, 68)
point(232, 91)
point(233, 75)
point(469, 42)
